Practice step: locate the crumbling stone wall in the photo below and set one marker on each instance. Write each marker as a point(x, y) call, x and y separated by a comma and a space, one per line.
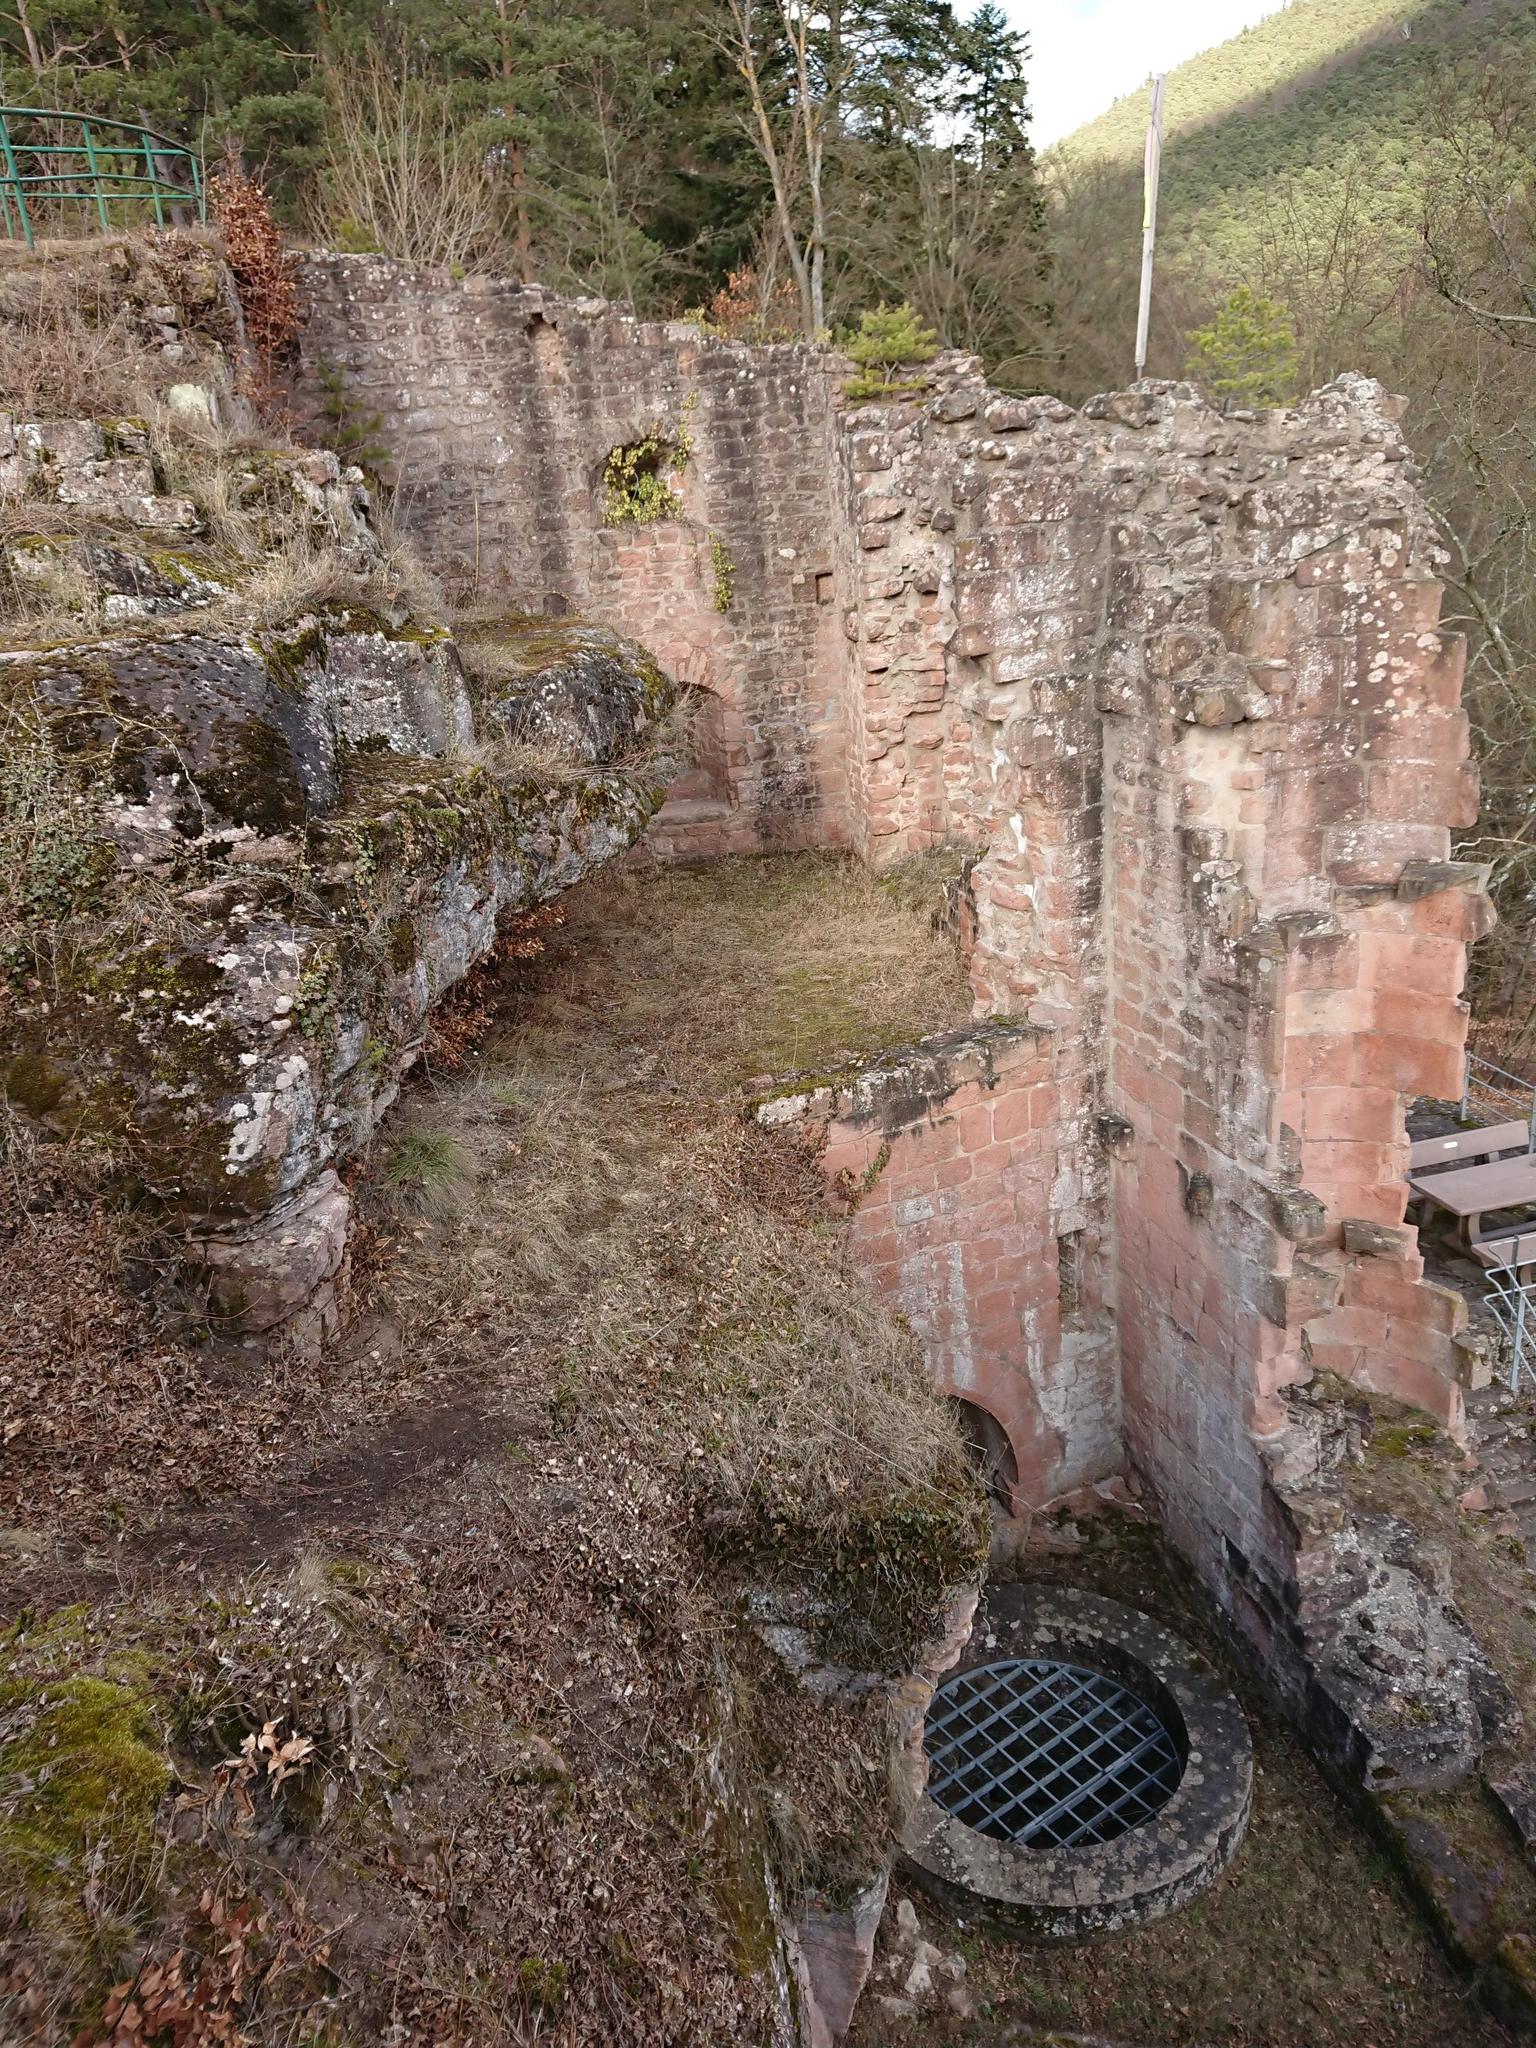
point(1175, 678)
point(501, 403)
point(942, 1158)
point(1197, 710)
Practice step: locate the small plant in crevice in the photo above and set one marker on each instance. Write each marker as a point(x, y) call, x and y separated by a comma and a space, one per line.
point(354, 433)
point(888, 340)
point(353, 237)
point(724, 571)
point(638, 475)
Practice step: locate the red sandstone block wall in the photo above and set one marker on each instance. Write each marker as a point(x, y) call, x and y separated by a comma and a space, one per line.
point(500, 404)
point(1176, 678)
point(1197, 714)
point(943, 1159)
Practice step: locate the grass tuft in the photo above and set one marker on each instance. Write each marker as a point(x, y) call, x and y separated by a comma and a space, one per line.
point(432, 1170)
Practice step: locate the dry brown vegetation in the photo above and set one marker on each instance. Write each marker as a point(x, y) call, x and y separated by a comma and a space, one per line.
point(502, 1759)
point(758, 968)
point(75, 344)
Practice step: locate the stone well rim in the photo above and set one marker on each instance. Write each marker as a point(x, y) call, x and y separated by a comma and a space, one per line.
point(1150, 1869)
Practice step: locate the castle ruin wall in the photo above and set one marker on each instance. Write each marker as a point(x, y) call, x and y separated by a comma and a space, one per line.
point(500, 405)
point(1174, 680)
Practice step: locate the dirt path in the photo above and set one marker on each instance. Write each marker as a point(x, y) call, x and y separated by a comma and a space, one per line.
point(338, 1499)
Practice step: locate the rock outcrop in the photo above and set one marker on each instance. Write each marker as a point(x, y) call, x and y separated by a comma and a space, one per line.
point(259, 819)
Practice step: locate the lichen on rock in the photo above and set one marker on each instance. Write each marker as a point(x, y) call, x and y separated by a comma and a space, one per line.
point(245, 861)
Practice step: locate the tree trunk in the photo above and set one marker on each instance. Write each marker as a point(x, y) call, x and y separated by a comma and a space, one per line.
point(516, 160)
point(34, 53)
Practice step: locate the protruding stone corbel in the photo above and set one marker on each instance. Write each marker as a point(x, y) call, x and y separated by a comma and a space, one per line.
point(1309, 1290)
point(1378, 1240)
point(1429, 877)
point(1299, 1216)
point(1117, 1134)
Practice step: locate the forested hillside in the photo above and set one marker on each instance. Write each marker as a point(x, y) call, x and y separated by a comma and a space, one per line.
point(1298, 46)
point(1324, 96)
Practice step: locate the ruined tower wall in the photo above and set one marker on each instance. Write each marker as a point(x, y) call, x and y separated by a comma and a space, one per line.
point(942, 1158)
point(1174, 678)
point(499, 405)
point(1198, 713)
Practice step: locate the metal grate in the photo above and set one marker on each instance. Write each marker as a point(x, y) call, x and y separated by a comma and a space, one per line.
point(1047, 1755)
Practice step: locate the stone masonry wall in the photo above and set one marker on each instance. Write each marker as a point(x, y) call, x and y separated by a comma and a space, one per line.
point(942, 1158)
point(1196, 710)
point(1174, 678)
point(500, 405)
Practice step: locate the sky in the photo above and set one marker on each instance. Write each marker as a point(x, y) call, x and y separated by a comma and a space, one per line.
point(1089, 52)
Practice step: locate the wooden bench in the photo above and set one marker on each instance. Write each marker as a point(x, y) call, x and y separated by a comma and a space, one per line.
point(1511, 1253)
point(1465, 1148)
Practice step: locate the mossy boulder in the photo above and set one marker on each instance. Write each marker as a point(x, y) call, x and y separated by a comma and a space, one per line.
point(582, 692)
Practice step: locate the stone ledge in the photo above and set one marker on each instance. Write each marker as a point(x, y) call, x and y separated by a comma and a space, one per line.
point(897, 1088)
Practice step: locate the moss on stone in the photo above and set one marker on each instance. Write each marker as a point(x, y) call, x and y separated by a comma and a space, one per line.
point(33, 1083)
point(288, 656)
point(82, 1766)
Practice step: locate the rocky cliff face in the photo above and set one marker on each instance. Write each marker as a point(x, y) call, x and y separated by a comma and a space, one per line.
point(258, 817)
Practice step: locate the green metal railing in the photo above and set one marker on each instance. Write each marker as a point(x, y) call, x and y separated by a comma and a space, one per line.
point(50, 159)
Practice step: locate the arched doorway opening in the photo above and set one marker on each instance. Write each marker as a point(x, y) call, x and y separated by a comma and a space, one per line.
point(991, 1452)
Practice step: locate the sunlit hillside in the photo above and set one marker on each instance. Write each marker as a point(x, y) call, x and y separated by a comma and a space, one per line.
point(1324, 95)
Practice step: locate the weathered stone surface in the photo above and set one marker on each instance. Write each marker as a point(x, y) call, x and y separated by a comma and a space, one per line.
point(585, 693)
point(335, 846)
point(834, 1943)
point(1401, 1693)
point(1176, 677)
point(1515, 1793)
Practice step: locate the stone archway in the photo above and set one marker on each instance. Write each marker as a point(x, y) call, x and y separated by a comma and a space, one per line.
point(991, 1450)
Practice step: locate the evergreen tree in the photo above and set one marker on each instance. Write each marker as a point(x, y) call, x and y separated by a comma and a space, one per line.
point(612, 146)
point(1248, 353)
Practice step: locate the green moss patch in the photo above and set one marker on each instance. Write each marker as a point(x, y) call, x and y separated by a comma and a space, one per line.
point(81, 1764)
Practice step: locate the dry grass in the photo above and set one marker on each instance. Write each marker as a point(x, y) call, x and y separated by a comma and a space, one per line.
point(552, 1762)
point(289, 582)
point(416, 588)
point(70, 348)
point(701, 979)
point(65, 353)
point(748, 1366)
point(598, 1173)
point(60, 600)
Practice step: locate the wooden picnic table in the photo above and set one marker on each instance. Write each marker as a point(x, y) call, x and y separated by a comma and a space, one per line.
point(1470, 1191)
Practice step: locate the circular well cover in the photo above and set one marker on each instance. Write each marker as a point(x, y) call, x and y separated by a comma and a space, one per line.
point(1047, 1754)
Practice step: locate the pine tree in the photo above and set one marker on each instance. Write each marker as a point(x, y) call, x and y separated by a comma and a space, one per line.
point(888, 339)
point(1248, 353)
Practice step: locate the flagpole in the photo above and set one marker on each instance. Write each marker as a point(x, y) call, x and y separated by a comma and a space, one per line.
point(1154, 161)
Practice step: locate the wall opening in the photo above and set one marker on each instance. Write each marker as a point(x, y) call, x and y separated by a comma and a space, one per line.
point(991, 1452)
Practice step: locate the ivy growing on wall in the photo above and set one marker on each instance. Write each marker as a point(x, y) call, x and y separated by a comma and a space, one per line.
point(637, 476)
point(724, 573)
